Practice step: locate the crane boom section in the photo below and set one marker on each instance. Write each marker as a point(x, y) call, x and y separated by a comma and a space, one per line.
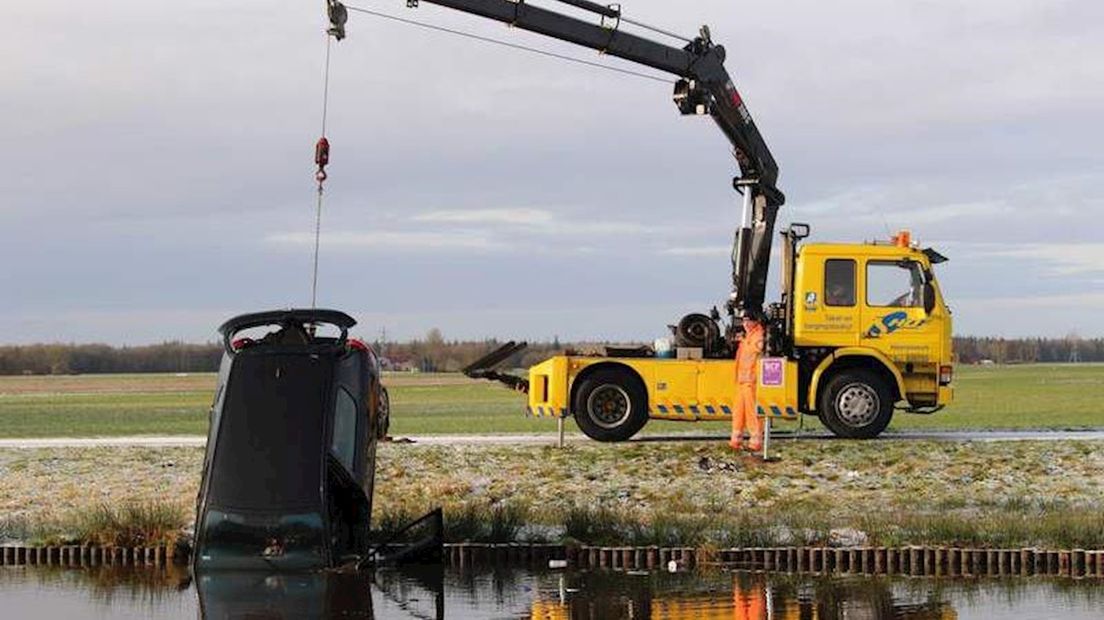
point(573, 30)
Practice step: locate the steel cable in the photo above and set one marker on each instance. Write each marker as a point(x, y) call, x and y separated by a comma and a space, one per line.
point(516, 46)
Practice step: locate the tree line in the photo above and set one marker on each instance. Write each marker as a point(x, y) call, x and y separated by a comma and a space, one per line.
point(973, 350)
point(434, 353)
point(430, 354)
point(64, 359)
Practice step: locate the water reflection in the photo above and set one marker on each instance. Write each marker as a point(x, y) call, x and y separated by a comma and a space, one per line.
point(416, 592)
point(284, 595)
point(437, 592)
point(742, 596)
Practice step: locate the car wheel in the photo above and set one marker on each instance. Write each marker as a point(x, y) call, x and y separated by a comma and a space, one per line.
point(383, 416)
point(856, 404)
point(611, 405)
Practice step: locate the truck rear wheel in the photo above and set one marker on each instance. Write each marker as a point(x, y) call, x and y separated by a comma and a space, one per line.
point(856, 404)
point(610, 405)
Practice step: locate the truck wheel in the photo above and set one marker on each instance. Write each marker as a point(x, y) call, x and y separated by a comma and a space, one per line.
point(610, 405)
point(856, 404)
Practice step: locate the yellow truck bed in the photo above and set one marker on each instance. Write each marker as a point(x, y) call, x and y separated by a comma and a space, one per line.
point(675, 389)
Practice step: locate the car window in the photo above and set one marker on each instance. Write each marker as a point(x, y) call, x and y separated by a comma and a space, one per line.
point(343, 442)
point(898, 284)
point(839, 282)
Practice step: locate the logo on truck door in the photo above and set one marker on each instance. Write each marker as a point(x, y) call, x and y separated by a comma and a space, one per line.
point(810, 300)
point(893, 322)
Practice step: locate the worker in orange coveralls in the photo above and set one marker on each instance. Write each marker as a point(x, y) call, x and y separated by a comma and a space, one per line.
point(747, 375)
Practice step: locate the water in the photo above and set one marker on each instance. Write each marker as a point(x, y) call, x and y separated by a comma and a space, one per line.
point(446, 593)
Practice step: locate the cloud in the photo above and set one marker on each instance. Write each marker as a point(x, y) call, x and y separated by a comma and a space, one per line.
point(903, 204)
point(705, 250)
point(478, 229)
point(537, 221)
point(1029, 316)
point(949, 212)
point(394, 240)
point(1065, 259)
point(517, 217)
point(604, 228)
point(1090, 300)
point(492, 229)
point(128, 326)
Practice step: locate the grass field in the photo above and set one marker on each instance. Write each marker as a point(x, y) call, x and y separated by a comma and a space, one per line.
point(1008, 397)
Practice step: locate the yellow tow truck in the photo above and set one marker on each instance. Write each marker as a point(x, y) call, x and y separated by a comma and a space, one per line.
point(860, 329)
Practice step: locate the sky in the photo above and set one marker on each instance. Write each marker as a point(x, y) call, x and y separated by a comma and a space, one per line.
point(156, 171)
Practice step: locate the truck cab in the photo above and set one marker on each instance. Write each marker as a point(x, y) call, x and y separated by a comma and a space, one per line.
point(869, 323)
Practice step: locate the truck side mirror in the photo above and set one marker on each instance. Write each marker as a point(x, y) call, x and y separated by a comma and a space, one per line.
point(798, 231)
point(929, 297)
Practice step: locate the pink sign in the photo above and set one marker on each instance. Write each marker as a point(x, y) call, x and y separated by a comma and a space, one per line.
point(770, 371)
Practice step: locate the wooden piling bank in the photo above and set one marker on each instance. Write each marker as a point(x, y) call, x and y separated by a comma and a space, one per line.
point(910, 561)
point(82, 556)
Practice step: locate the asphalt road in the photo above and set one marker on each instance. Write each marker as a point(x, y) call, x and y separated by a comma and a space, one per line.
point(438, 440)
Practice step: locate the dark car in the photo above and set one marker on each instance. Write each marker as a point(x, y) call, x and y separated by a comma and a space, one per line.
point(290, 462)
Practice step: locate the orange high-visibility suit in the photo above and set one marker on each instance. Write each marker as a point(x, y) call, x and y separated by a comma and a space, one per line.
point(747, 375)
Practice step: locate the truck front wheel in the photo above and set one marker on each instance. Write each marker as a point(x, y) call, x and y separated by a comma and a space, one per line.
point(856, 404)
point(610, 405)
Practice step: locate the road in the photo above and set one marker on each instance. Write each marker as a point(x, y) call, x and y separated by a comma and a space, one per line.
point(439, 440)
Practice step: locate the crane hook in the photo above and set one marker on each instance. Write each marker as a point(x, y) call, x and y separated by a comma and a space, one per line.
point(321, 159)
point(338, 15)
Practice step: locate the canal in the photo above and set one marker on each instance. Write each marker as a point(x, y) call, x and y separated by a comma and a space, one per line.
point(108, 592)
